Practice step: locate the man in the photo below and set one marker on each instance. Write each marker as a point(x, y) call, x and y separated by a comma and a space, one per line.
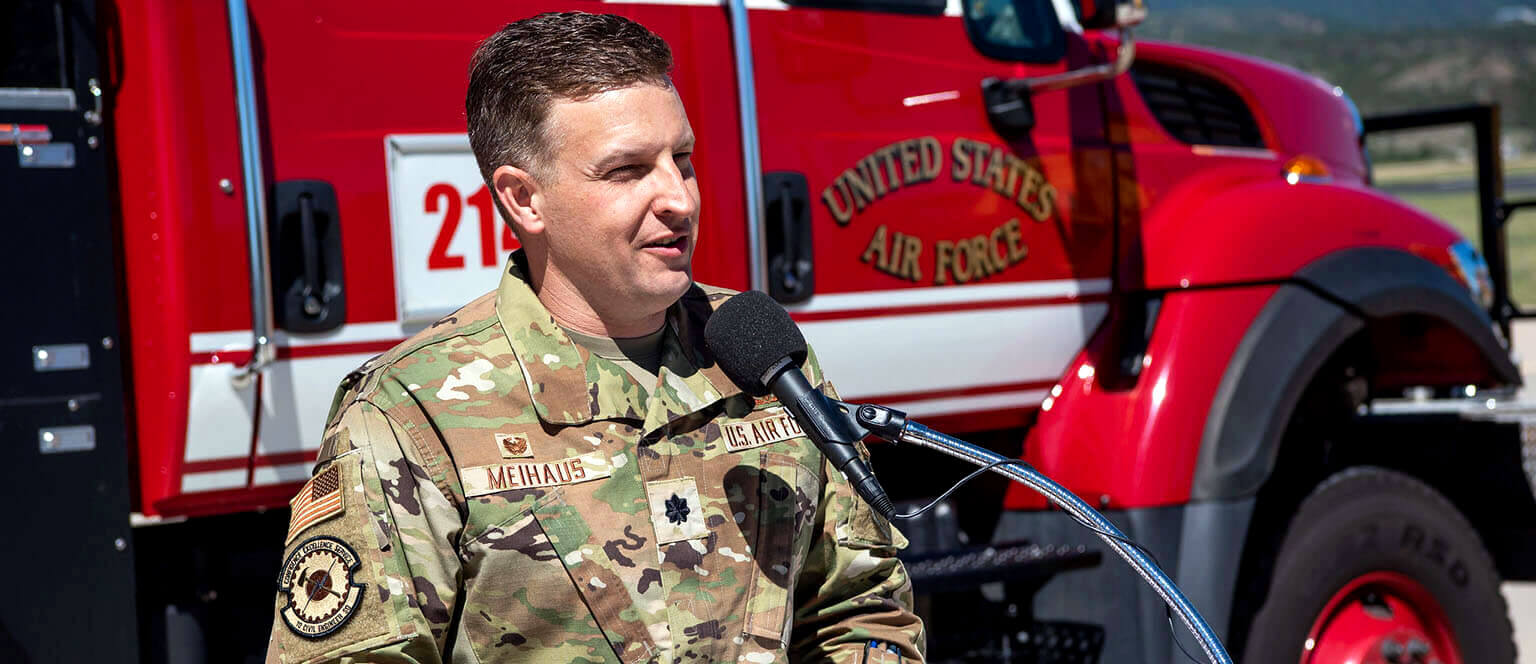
point(558, 472)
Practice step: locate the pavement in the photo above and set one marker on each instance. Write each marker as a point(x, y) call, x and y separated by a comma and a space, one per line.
point(1522, 612)
point(1522, 596)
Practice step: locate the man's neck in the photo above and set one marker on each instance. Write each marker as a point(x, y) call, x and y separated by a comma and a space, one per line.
point(573, 311)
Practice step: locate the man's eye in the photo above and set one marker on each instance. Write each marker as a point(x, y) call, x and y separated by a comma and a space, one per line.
point(628, 172)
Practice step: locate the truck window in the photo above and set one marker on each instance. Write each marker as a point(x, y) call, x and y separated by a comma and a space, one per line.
point(32, 45)
point(1015, 31)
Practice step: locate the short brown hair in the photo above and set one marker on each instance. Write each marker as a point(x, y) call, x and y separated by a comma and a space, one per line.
point(518, 71)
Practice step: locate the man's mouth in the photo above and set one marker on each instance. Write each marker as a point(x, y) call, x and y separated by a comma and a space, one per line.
point(674, 244)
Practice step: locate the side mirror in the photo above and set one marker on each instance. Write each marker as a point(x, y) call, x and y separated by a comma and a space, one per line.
point(1098, 14)
point(1032, 31)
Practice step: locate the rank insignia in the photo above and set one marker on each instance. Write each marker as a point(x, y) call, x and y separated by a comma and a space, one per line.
point(318, 580)
point(513, 446)
point(675, 510)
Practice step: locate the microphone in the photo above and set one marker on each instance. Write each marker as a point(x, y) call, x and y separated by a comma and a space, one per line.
point(760, 349)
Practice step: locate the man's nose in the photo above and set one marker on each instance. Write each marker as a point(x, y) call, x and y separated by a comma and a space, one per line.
point(673, 199)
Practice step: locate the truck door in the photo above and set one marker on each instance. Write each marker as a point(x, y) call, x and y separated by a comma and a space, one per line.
point(68, 555)
point(938, 230)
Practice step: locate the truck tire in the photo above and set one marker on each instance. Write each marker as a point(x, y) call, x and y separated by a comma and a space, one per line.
point(1379, 567)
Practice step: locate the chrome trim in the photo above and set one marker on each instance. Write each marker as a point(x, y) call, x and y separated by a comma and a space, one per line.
point(37, 99)
point(262, 350)
point(75, 438)
point(1297, 178)
point(1233, 151)
point(61, 357)
point(46, 155)
point(751, 155)
point(1125, 54)
point(94, 116)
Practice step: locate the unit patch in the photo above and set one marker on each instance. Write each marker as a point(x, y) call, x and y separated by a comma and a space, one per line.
point(513, 446)
point(481, 480)
point(778, 426)
point(318, 500)
point(318, 579)
point(675, 510)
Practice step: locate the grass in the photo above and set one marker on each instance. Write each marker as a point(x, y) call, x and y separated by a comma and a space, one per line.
point(1405, 172)
point(1460, 210)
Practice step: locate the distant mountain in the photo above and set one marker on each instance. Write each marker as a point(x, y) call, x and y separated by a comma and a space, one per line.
point(1389, 55)
point(1351, 14)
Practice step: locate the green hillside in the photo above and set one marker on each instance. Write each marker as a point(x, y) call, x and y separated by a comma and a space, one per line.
point(1375, 15)
point(1409, 54)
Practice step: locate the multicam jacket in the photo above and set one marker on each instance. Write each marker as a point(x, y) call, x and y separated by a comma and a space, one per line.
point(489, 491)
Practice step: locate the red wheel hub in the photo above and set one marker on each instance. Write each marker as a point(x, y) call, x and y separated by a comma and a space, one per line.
point(1381, 618)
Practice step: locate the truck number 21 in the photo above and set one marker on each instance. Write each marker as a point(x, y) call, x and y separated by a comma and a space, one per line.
point(445, 197)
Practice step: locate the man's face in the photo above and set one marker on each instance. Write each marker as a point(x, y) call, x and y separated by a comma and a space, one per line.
point(620, 201)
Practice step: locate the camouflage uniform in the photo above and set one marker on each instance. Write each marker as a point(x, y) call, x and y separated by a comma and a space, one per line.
point(504, 495)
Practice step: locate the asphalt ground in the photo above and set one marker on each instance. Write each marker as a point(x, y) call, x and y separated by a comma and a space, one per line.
point(1522, 596)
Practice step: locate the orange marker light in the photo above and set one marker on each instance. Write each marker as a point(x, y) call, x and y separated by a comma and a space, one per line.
point(1306, 168)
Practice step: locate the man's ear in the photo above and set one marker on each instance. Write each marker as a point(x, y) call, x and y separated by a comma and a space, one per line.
point(518, 193)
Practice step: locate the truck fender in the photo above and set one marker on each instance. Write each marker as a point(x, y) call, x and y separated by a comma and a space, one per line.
point(1297, 331)
point(1227, 226)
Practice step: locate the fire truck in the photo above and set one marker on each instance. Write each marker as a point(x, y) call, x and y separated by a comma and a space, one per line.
point(1157, 273)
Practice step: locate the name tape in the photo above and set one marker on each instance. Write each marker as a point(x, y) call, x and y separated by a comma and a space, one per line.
point(496, 477)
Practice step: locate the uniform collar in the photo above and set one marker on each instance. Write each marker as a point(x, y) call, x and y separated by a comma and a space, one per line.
point(569, 385)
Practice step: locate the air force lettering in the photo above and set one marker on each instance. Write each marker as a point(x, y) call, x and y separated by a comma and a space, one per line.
point(496, 477)
point(776, 427)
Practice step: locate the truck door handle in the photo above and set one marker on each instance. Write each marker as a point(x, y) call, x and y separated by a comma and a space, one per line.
point(787, 221)
point(1009, 108)
point(307, 277)
point(309, 290)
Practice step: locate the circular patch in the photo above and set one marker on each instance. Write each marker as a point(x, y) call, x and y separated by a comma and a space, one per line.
point(322, 595)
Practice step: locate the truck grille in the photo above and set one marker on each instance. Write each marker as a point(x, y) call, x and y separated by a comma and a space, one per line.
point(1195, 108)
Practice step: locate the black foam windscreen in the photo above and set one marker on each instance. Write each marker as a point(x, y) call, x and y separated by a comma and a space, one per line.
point(748, 335)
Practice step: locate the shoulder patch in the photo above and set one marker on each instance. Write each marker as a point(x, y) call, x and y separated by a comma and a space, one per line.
point(318, 500)
point(319, 579)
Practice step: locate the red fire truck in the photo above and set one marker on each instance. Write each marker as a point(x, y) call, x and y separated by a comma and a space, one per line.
point(1156, 272)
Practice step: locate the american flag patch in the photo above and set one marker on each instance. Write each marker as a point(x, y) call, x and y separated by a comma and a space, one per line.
point(320, 499)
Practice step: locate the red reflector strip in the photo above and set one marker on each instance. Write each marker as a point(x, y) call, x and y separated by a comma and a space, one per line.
point(17, 134)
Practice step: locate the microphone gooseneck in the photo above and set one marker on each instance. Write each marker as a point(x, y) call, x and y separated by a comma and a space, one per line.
point(761, 349)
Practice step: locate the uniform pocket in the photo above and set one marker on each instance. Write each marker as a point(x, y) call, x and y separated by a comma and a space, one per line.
point(787, 496)
point(595, 576)
point(536, 585)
